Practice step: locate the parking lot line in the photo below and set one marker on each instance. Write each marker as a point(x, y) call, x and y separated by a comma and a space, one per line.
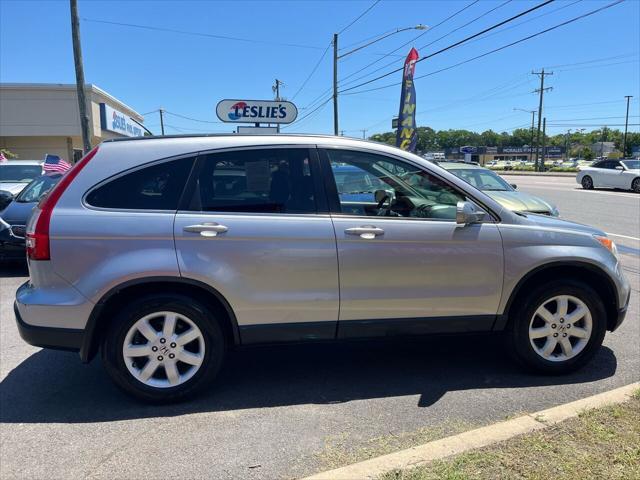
point(623, 236)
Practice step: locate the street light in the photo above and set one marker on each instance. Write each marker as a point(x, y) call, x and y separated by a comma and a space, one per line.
point(336, 57)
point(533, 116)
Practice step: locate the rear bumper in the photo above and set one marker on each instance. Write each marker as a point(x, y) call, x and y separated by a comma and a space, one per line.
point(48, 337)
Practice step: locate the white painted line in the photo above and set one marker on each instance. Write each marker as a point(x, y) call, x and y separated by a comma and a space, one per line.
point(622, 236)
point(581, 190)
point(473, 439)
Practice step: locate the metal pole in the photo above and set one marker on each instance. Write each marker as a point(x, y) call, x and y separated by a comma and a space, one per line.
point(626, 124)
point(277, 90)
point(161, 121)
point(533, 117)
point(602, 143)
point(335, 84)
point(566, 145)
point(77, 59)
point(544, 142)
point(541, 91)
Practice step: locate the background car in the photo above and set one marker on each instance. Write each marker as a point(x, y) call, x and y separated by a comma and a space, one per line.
point(15, 175)
point(499, 189)
point(16, 214)
point(5, 199)
point(624, 174)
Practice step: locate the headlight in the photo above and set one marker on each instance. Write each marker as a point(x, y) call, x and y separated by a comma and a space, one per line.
point(607, 243)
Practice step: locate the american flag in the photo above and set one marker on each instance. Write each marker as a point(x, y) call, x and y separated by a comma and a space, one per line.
point(2, 157)
point(54, 164)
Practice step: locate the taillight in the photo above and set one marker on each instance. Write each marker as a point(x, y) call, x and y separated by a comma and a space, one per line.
point(38, 231)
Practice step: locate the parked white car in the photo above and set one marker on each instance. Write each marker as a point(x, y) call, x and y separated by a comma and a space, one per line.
point(624, 174)
point(17, 174)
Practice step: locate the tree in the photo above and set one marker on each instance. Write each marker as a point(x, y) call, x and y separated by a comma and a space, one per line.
point(7, 153)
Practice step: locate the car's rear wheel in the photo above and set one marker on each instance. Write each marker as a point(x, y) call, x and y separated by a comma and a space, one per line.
point(558, 327)
point(163, 348)
point(587, 182)
point(635, 185)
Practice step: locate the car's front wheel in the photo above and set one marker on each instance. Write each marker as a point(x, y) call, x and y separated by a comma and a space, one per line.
point(558, 327)
point(587, 182)
point(163, 348)
point(635, 185)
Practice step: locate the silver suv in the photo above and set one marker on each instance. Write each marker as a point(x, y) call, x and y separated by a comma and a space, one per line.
point(164, 253)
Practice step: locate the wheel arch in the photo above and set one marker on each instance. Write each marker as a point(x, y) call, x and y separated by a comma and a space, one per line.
point(98, 320)
point(590, 274)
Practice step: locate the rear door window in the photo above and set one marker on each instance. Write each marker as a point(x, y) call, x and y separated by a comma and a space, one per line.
point(275, 180)
point(155, 187)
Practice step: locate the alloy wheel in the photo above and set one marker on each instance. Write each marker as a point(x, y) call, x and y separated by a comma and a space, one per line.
point(163, 349)
point(560, 328)
point(635, 186)
point(587, 183)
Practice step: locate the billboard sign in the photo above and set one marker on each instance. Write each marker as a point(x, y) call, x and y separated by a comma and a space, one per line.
point(256, 111)
point(117, 122)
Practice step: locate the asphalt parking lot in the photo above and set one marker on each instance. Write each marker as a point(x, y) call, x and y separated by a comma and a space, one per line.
point(286, 412)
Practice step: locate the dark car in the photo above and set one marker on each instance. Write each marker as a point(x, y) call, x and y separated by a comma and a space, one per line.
point(14, 217)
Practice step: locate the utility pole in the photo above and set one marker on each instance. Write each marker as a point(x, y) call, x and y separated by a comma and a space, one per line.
point(602, 142)
point(540, 90)
point(364, 132)
point(544, 141)
point(566, 145)
point(533, 117)
point(626, 124)
point(276, 90)
point(335, 84)
point(342, 133)
point(77, 59)
point(161, 121)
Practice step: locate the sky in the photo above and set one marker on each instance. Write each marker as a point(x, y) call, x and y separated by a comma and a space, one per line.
point(186, 56)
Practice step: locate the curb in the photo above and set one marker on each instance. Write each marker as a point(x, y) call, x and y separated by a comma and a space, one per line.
point(473, 439)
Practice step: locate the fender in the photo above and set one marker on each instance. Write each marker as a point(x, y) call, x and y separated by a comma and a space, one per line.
point(89, 346)
point(502, 319)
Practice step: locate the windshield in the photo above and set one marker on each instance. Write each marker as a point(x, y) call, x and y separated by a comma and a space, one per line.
point(37, 188)
point(19, 173)
point(632, 164)
point(482, 179)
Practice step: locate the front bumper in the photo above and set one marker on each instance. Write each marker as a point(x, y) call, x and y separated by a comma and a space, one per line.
point(47, 337)
point(622, 312)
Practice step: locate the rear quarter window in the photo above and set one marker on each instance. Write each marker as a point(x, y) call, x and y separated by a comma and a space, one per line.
point(156, 187)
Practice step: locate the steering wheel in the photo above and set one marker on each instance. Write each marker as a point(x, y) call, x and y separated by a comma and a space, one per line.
point(423, 211)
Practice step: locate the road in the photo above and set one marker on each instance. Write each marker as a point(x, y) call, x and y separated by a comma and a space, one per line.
point(289, 411)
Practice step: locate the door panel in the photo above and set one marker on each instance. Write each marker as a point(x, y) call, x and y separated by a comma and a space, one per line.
point(251, 230)
point(418, 268)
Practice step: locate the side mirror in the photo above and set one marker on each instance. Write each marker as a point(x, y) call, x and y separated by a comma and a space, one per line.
point(466, 214)
point(619, 167)
point(514, 186)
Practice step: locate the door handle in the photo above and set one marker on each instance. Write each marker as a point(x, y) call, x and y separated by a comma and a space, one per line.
point(206, 229)
point(368, 231)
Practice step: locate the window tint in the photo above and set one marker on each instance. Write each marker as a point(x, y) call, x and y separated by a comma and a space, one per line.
point(390, 187)
point(255, 181)
point(157, 187)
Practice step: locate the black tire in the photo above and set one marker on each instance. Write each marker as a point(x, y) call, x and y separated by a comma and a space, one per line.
point(587, 182)
point(214, 344)
point(517, 336)
point(635, 185)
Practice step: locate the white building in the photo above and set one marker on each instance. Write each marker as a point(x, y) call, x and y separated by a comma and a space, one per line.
point(37, 118)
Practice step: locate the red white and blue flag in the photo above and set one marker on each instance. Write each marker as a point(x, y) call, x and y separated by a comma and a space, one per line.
point(55, 164)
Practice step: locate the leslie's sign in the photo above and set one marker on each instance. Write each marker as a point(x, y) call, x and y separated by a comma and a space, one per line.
point(256, 111)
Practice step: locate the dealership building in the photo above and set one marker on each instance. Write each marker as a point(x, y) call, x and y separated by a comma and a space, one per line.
point(484, 155)
point(37, 118)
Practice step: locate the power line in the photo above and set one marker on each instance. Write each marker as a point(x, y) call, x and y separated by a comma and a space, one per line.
point(359, 16)
point(312, 72)
point(201, 34)
point(190, 118)
point(486, 53)
point(442, 50)
point(309, 114)
point(465, 25)
point(402, 46)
